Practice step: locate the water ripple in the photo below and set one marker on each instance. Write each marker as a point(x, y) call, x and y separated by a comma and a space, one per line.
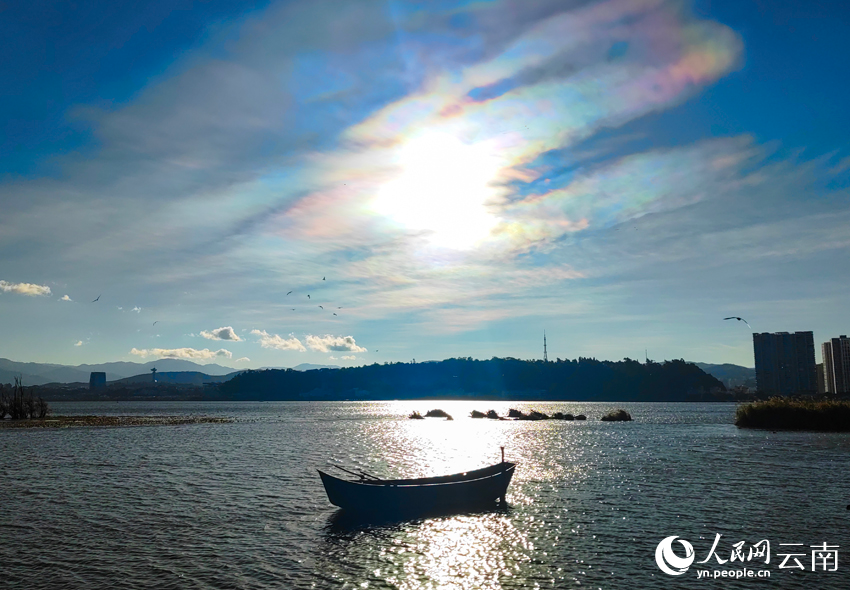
point(239, 505)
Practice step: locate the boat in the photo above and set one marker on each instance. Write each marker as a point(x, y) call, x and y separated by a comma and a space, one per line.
point(471, 489)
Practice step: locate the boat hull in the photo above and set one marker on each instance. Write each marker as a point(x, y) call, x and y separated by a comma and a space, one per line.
point(460, 491)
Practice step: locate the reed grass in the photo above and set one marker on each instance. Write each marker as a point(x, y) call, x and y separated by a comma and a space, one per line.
point(781, 413)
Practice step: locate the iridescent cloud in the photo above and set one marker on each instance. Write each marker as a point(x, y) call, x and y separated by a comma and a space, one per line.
point(442, 163)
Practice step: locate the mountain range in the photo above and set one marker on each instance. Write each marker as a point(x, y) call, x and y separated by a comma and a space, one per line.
point(41, 373)
point(731, 375)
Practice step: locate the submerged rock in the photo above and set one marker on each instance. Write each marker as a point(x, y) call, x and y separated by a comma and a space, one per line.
point(476, 414)
point(437, 414)
point(416, 416)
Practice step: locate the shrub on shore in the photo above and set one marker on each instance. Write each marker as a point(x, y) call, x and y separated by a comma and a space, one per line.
point(21, 405)
point(780, 413)
point(617, 416)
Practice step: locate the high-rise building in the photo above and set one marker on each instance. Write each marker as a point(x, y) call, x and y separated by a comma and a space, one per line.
point(97, 380)
point(836, 364)
point(785, 363)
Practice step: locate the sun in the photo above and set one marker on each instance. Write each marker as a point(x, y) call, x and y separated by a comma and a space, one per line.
point(442, 188)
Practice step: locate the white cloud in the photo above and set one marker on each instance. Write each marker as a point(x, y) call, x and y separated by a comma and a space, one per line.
point(183, 353)
point(137, 309)
point(349, 358)
point(225, 333)
point(65, 298)
point(24, 288)
point(244, 359)
point(330, 343)
point(274, 341)
point(78, 343)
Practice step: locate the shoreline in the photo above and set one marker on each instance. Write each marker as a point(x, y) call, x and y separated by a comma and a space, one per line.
point(111, 421)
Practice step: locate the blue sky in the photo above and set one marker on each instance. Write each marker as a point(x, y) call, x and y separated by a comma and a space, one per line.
point(448, 178)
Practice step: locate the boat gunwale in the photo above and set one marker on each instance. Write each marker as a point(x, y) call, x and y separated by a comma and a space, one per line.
point(390, 483)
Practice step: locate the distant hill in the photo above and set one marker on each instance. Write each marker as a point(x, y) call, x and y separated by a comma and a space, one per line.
point(301, 367)
point(508, 378)
point(7, 376)
point(310, 367)
point(41, 373)
point(730, 375)
point(180, 377)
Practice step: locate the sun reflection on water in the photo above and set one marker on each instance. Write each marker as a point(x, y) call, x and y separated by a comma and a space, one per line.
point(495, 549)
point(460, 552)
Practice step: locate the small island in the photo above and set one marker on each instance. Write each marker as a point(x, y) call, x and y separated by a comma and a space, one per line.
point(781, 413)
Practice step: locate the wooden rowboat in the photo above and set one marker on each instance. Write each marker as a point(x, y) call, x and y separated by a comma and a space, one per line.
point(470, 489)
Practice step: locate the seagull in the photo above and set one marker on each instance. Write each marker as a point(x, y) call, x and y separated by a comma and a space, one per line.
point(293, 309)
point(156, 322)
point(334, 313)
point(339, 308)
point(98, 297)
point(322, 307)
point(308, 296)
point(323, 278)
point(734, 317)
point(289, 292)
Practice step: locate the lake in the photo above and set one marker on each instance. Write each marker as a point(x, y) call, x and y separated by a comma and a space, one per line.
point(240, 505)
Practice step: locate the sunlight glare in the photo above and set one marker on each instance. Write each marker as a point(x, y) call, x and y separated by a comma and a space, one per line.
point(443, 188)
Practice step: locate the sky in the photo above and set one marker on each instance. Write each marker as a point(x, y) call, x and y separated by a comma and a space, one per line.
point(349, 182)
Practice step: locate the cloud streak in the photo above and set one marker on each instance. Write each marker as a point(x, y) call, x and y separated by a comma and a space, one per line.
point(276, 342)
point(182, 353)
point(225, 333)
point(29, 289)
point(330, 343)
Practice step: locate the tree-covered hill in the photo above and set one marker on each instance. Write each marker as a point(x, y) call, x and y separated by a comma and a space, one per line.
point(582, 379)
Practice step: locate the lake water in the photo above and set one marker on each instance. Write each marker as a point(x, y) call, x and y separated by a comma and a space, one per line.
point(240, 505)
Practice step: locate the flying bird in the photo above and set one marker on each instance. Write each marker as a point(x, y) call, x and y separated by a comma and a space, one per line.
point(322, 307)
point(334, 313)
point(156, 322)
point(323, 278)
point(289, 292)
point(98, 297)
point(308, 296)
point(734, 317)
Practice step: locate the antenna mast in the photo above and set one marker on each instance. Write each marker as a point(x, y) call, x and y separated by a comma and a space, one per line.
point(545, 356)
